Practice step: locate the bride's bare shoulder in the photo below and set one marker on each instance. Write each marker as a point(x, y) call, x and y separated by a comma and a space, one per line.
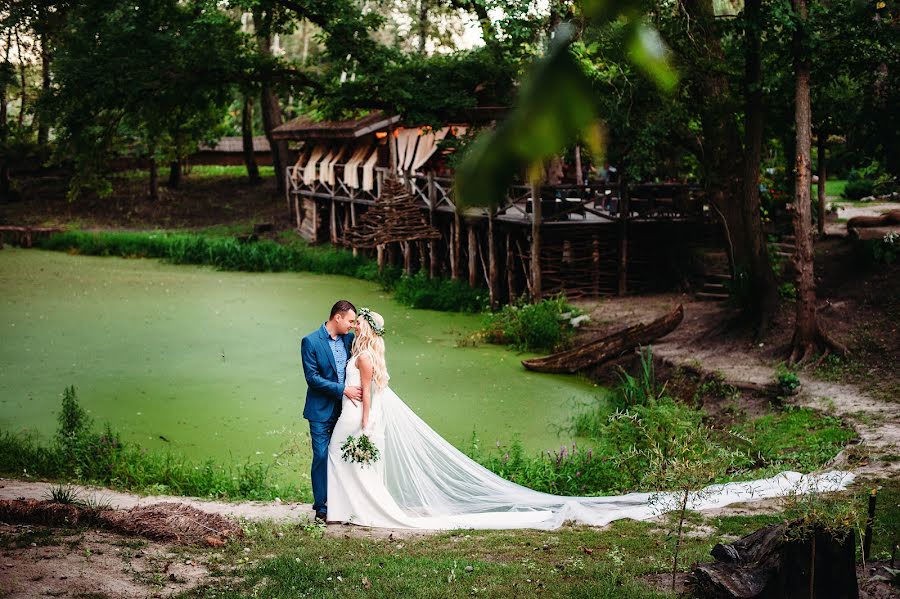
point(364, 359)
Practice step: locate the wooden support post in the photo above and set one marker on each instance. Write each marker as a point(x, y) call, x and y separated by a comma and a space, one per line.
point(423, 253)
point(528, 279)
point(406, 246)
point(579, 178)
point(432, 245)
point(298, 210)
point(535, 242)
point(392, 146)
point(380, 252)
point(315, 221)
point(454, 246)
point(332, 225)
point(353, 220)
point(624, 213)
point(287, 189)
point(595, 263)
point(510, 270)
point(473, 256)
point(492, 262)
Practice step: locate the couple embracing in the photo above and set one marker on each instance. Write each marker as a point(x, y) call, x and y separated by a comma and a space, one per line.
point(411, 477)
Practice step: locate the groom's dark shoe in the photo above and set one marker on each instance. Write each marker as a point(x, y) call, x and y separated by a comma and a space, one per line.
point(320, 517)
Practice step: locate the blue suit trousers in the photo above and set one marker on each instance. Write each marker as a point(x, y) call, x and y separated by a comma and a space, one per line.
point(320, 433)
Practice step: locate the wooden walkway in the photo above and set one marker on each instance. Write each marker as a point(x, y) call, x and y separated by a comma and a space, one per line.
point(25, 236)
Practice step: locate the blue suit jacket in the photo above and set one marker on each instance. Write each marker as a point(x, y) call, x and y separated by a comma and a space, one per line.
point(323, 393)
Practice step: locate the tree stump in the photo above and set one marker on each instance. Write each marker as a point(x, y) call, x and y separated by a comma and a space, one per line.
point(767, 565)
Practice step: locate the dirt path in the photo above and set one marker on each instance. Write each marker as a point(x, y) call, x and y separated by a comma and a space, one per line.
point(696, 343)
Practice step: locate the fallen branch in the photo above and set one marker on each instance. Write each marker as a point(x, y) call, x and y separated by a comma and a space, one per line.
point(607, 348)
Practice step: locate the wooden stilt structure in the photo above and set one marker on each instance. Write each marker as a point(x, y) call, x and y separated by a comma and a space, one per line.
point(536, 291)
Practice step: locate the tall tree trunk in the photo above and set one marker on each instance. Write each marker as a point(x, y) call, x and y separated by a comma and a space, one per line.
point(820, 186)
point(23, 81)
point(174, 174)
point(5, 182)
point(154, 180)
point(808, 335)
point(764, 298)
point(271, 110)
point(43, 134)
point(423, 25)
point(247, 138)
point(806, 326)
point(735, 193)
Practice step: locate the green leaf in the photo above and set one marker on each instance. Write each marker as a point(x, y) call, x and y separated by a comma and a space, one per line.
point(556, 104)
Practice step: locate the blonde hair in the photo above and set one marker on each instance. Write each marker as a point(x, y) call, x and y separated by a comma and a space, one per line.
point(366, 340)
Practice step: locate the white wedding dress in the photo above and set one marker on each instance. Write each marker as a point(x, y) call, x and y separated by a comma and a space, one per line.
point(422, 481)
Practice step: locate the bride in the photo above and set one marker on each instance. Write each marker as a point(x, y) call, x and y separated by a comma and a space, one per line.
point(422, 481)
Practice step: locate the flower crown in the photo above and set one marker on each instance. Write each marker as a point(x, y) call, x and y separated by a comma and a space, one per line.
point(367, 314)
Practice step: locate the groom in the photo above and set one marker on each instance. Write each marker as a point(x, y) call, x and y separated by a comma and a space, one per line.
point(325, 353)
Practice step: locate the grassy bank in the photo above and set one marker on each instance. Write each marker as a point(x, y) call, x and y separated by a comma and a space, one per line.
point(622, 456)
point(80, 452)
point(626, 559)
point(219, 250)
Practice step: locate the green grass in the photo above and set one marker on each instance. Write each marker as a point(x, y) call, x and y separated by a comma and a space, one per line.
point(796, 438)
point(834, 188)
point(198, 171)
point(570, 562)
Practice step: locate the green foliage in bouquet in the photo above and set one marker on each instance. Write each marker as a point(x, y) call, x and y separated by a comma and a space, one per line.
point(359, 450)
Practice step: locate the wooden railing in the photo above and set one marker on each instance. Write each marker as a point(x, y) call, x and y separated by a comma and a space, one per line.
point(559, 203)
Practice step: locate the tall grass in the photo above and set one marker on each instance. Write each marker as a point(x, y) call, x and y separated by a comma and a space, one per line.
point(80, 453)
point(647, 425)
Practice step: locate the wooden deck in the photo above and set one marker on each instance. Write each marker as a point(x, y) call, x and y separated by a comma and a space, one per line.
point(590, 240)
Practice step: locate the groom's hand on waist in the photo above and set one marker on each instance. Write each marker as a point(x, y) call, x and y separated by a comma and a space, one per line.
point(353, 393)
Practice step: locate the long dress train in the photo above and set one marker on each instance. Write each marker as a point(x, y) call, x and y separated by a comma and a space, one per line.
point(422, 481)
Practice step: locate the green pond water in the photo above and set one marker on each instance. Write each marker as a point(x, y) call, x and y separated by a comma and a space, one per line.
point(210, 360)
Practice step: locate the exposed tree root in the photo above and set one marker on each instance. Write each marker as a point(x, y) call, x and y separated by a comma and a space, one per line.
point(822, 345)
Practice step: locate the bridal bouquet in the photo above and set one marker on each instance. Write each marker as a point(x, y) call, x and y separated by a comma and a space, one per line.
point(360, 450)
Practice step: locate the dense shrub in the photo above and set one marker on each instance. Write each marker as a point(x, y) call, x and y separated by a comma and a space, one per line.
point(541, 327)
point(868, 180)
point(420, 291)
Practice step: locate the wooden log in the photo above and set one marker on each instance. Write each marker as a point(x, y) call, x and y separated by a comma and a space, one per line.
point(536, 289)
point(607, 348)
point(770, 563)
point(891, 217)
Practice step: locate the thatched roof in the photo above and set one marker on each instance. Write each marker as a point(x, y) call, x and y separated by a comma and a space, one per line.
point(236, 145)
point(304, 127)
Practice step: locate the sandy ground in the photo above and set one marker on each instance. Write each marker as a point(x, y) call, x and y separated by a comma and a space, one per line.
point(93, 563)
point(847, 211)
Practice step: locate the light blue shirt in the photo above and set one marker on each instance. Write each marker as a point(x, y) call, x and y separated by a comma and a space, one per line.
point(340, 354)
